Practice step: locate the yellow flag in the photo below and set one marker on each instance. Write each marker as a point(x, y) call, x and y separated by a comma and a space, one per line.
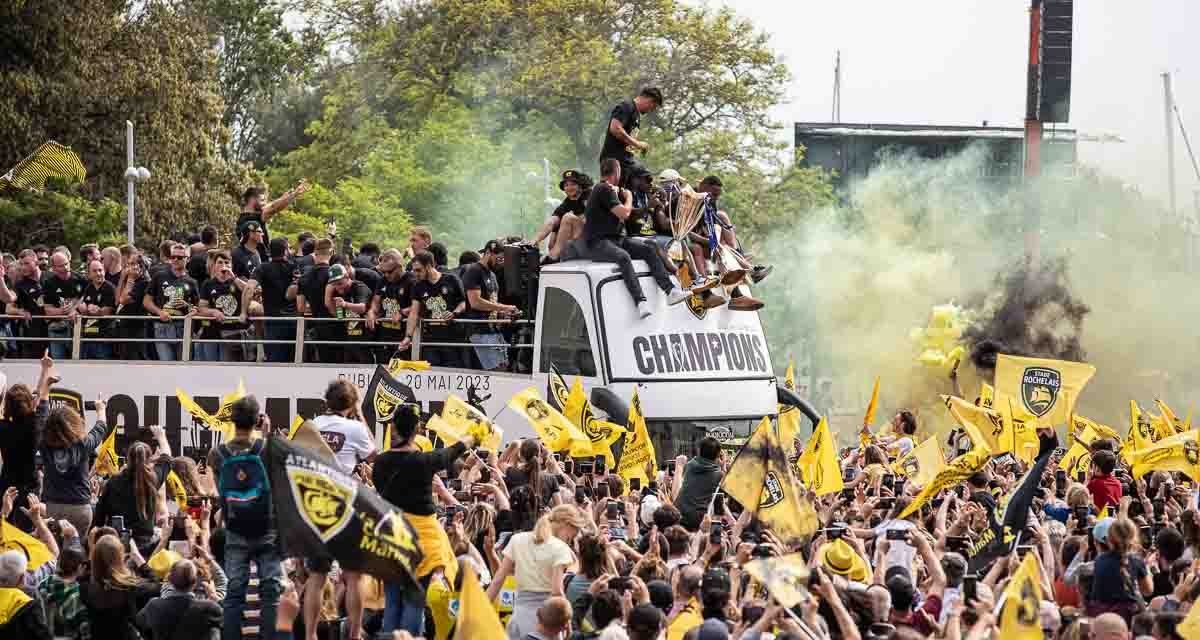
point(448, 433)
point(1046, 389)
point(476, 619)
point(873, 405)
point(13, 539)
point(176, 490)
point(818, 464)
point(296, 422)
point(1141, 432)
point(987, 395)
point(987, 423)
point(785, 577)
point(923, 463)
point(1019, 617)
point(1079, 456)
point(761, 479)
point(1169, 416)
point(220, 421)
point(789, 378)
point(602, 434)
point(106, 456)
point(473, 422)
point(789, 426)
point(1189, 627)
point(554, 429)
point(638, 451)
point(396, 365)
point(958, 470)
point(1180, 452)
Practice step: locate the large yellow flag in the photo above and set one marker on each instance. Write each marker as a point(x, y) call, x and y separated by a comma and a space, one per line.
point(761, 479)
point(1180, 452)
point(106, 456)
point(601, 434)
point(476, 619)
point(1189, 627)
point(1168, 415)
point(1019, 617)
point(1079, 457)
point(958, 470)
point(13, 539)
point(554, 429)
point(1141, 432)
point(873, 405)
point(219, 421)
point(988, 423)
point(1101, 430)
point(818, 464)
point(473, 422)
point(1046, 389)
point(923, 463)
point(637, 456)
point(789, 416)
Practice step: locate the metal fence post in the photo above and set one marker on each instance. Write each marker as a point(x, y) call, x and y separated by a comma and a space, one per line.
point(185, 351)
point(299, 356)
point(76, 325)
point(416, 342)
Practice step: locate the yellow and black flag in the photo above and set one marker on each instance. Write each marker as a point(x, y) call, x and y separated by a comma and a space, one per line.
point(1001, 537)
point(574, 404)
point(989, 423)
point(552, 427)
point(761, 479)
point(1180, 452)
point(784, 577)
point(323, 512)
point(471, 421)
point(384, 394)
point(51, 160)
point(923, 463)
point(476, 618)
point(1020, 617)
point(958, 470)
point(818, 464)
point(1045, 389)
point(637, 454)
point(1141, 432)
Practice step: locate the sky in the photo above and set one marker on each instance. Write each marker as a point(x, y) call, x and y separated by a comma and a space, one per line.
point(960, 62)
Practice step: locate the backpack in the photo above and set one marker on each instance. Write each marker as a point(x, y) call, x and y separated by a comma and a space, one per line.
point(245, 491)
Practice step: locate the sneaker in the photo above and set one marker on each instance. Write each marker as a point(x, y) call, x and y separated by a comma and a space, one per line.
point(677, 295)
point(706, 283)
point(644, 310)
point(745, 303)
point(760, 272)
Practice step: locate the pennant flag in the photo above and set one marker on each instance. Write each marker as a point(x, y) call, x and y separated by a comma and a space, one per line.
point(957, 471)
point(1020, 617)
point(219, 421)
point(1101, 430)
point(296, 422)
point(552, 427)
point(873, 405)
point(923, 463)
point(50, 160)
point(176, 490)
point(1169, 417)
point(384, 394)
point(1180, 452)
point(1046, 389)
point(575, 405)
point(473, 422)
point(638, 459)
point(818, 464)
point(1141, 431)
point(476, 618)
point(322, 511)
point(13, 539)
point(988, 424)
point(106, 456)
point(1001, 537)
point(395, 365)
point(785, 577)
point(761, 479)
point(1079, 457)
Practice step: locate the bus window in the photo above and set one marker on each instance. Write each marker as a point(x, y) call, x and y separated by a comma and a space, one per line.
point(566, 343)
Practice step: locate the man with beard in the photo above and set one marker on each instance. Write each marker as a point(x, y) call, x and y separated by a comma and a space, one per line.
point(247, 255)
point(648, 220)
point(27, 285)
point(565, 224)
point(97, 300)
point(620, 136)
point(172, 294)
point(62, 289)
point(221, 303)
point(715, 229)
point(479, 283)
point(256, 208)
point(437, 298)
point(390, 304)
point(348, 299)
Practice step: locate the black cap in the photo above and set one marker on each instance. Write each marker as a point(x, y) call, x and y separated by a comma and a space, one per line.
point(492, 246)
point(578, 177)
point(249, 226)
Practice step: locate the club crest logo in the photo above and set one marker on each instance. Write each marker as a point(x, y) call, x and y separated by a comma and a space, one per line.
point(772, 493)
point(1191, 451)
point(1039, 389)
point(695, 304)
point(324, 504)
point(911, 466)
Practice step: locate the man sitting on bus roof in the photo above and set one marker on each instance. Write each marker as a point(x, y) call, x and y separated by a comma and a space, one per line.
point(565, 224)
point(604, 239)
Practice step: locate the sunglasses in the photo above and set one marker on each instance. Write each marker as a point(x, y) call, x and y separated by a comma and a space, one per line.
point(179, 257)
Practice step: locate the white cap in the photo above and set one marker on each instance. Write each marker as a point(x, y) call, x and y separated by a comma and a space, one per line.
point(669, 175)
point(650, 504)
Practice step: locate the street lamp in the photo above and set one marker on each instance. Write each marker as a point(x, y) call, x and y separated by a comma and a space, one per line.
point(132, 174)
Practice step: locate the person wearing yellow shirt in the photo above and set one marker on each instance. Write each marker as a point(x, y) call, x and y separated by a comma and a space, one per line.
point(685, 615)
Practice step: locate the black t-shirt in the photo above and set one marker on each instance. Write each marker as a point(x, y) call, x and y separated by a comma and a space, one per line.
point(436, 300)
point(640, 222)
point(312, 286)
point(61, 292)
point(515, 477)
point(245, 261)
point(394, 297)
point(477, 276)
point(197, 267)
point(136, 293)
point(600, 221)
point(226, 298)
point(275, 277)
point(575, 206)
point(118, 499)
point(628, 114)
point(256, 216)
point(358, 293)
point(103, 296)
point(370, 277)
point(30, 296)
point(174, 294)
point(405, 478)
point(18, 441)
point(113, 278)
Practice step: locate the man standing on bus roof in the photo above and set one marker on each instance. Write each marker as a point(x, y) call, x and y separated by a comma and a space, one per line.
point(620, 136)
point(604, 239)
point(255, 207)
point(437, 298)
point(482, 289)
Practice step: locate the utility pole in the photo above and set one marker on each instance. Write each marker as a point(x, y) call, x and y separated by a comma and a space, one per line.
point(1033, 131)
point(132, 175)
point(1169, 112)
point(836, 116)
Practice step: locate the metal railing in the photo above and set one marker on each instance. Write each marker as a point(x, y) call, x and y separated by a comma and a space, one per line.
point(187, 339)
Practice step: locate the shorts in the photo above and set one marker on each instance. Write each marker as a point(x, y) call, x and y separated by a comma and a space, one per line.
point(319, 565)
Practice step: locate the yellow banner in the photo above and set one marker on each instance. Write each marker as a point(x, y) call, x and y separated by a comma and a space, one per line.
point(1045, 389)
point(987, 423)
point(13, 539)
point(1141, 432)
point(1180, 452)
point(106, 456)
point(923, 463)
point(818, 463)
point(761, 479)
point(957, 471)
point(552, 427)
point(637, 456)
point(1020, 618)
point(473, 422)
point(600, 433)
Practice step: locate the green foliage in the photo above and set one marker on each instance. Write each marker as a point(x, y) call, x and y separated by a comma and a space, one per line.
point(54, 218)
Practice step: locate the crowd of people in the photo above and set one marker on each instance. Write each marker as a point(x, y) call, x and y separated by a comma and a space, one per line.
point(362, 306)
point(565, 548)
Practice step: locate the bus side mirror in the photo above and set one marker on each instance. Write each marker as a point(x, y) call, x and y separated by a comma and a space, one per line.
point(790, 398)
point(608, 402)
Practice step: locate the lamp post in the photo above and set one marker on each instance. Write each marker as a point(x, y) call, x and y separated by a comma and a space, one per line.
point(132, 174)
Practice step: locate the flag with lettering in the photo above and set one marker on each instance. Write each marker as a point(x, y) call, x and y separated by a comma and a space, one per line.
point(761, 479)
point(637, 455)
point(1046, 389)
point(552, 427)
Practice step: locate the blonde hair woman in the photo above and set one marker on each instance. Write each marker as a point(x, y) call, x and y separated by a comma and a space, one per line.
point(538, 560)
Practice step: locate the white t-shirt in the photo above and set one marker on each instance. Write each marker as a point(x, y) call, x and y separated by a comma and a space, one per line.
point(899, 552)
point(902, 446)
point(533, 562)
point(350, 440)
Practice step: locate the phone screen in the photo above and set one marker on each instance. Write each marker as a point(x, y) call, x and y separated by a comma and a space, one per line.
point(635, 484)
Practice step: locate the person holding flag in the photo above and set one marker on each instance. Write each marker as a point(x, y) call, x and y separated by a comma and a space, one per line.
point(404, 477)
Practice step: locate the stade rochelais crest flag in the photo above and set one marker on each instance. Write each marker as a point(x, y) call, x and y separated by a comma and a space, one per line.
point(1000, 539)
point(384, 394)
point(322, 512)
